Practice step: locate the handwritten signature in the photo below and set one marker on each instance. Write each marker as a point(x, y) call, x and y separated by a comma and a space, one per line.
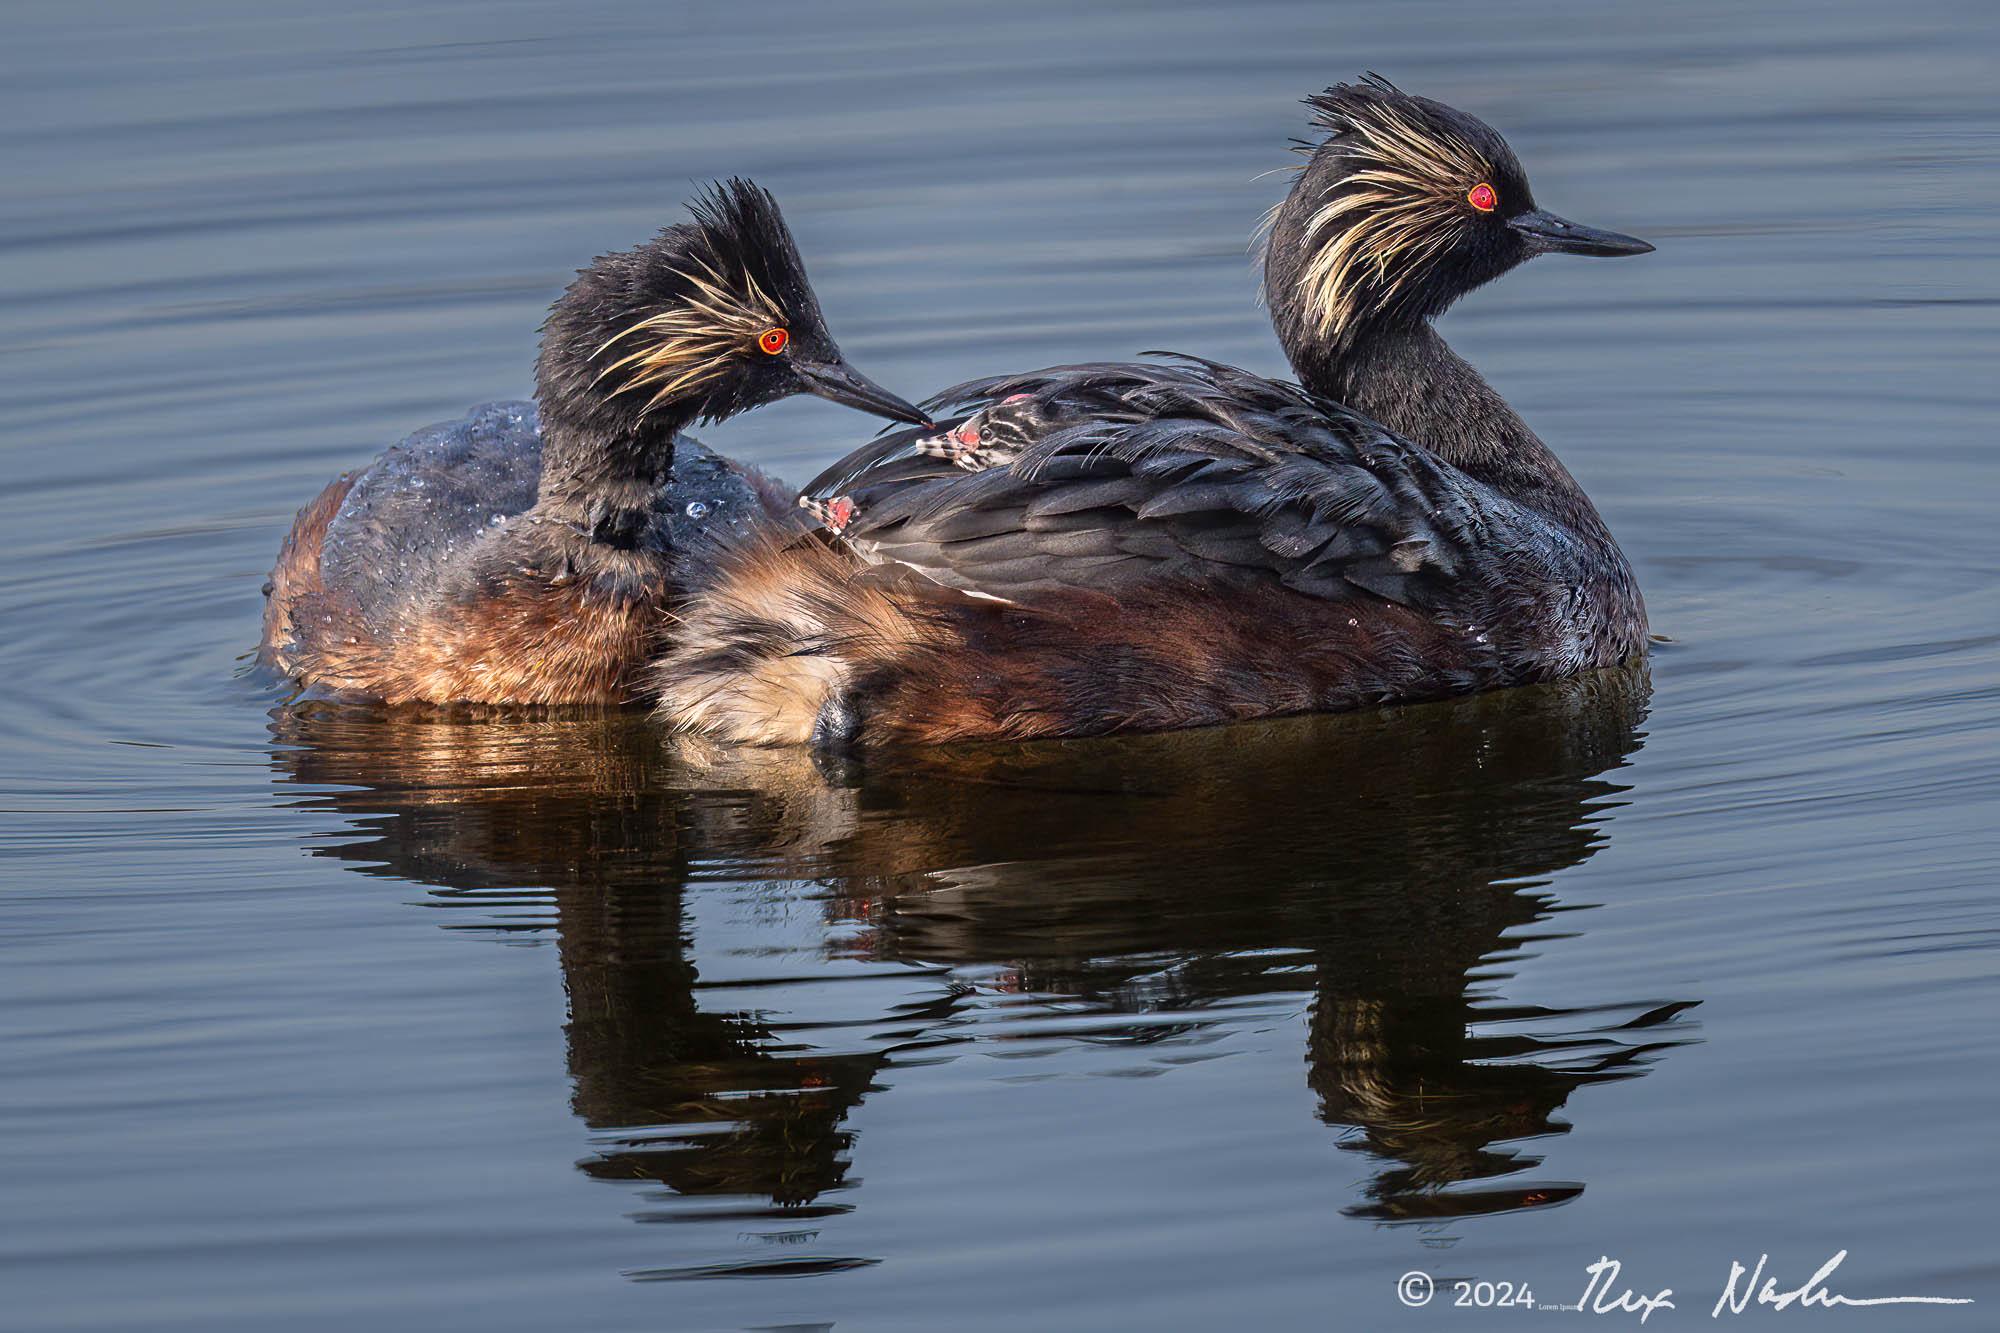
point(1606, 1293)
point(1808, 1293)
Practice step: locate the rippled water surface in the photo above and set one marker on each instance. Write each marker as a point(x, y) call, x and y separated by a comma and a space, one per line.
point(315, 1017)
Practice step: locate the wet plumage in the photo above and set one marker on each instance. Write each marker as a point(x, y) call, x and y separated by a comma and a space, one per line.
point(532, 553)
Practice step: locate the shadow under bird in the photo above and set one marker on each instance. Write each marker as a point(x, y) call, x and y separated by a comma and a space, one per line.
point(1139, 547)
point(529, 553)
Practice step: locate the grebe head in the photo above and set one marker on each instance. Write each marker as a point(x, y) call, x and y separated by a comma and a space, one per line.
point(1404, 207)
point(712, 317)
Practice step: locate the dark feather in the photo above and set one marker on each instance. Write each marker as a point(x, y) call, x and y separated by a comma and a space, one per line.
point(1182, 470)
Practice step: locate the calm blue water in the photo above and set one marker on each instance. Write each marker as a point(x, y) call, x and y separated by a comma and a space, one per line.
point(318, 1018)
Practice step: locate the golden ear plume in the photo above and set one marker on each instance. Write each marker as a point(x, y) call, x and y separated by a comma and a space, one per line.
point(1400, 206)
point(688, 345)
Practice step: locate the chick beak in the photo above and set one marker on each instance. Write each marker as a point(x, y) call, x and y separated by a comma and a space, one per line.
point(1549, 234)
point(838, 382)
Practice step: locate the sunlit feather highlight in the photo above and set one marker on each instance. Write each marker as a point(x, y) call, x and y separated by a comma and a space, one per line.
point(1398, 208)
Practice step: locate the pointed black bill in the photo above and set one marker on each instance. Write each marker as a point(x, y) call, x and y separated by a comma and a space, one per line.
point(1549, 234)
point(838, 382)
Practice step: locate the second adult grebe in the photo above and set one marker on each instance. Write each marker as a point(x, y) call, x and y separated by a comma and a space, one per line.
point(517, 557)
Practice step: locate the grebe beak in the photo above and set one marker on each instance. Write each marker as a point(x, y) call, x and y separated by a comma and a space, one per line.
point(838, 382)
point(1549, 234)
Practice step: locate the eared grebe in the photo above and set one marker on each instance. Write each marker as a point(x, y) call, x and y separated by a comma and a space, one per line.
point(1139, 547)
point(506, 559)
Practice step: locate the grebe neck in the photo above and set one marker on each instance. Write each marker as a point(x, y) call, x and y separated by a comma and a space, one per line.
point(605, 484)
point(1408, 378)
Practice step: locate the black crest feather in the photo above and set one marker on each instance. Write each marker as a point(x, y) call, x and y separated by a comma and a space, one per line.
point(738, 228)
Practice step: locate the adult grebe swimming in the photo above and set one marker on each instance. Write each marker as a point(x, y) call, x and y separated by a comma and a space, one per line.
point(1139, 547)
point(506, 559)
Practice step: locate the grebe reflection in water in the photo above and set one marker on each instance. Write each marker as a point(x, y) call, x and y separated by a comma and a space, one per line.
point(1174, 887)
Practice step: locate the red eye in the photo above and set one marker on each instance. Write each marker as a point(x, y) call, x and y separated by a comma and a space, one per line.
point(1482, 198)
point(773, 340)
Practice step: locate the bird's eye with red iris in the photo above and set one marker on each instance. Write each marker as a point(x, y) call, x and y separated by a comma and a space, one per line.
point(1483, 197)
point(773, 340)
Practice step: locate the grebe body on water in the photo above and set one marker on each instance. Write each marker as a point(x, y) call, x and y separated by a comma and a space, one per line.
point(529, 553)
point(1115, 547)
